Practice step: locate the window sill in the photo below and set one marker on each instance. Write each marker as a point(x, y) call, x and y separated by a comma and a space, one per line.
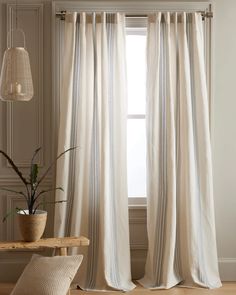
point(137, 207)
point(137, 202)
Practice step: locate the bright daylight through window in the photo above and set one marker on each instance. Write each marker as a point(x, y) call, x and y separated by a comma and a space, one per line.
point(136, 135)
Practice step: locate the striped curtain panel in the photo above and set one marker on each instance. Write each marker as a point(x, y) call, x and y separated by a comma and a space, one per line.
point(181, 226)
point(93, 117)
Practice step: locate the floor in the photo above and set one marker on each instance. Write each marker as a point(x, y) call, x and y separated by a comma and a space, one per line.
point(227, 289)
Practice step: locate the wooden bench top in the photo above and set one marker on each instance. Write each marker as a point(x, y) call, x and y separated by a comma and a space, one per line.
point(46, 243)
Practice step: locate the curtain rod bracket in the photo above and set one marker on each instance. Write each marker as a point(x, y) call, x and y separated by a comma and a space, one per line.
point(61, 14)
point(205, 14)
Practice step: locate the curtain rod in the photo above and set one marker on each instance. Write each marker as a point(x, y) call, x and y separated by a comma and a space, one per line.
point(205, 14)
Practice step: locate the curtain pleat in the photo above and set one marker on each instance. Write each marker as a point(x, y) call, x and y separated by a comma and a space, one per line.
point(97, 189)
point(181, 229)
point(65, 122)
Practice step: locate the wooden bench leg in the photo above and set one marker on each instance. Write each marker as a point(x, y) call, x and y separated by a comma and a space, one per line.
point(63, 252)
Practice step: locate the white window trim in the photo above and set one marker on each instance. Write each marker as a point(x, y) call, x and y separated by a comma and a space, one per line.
point(136, 116)
point(136, 26)
point(128, 7)
point(137, 202)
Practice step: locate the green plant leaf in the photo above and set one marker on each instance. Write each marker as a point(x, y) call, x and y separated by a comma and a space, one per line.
point(11, 213)
point(53, 163)
point(33, 183)
point(11, 190)
point(15, 168)
point(35, 154)
point(46, 191)
point(34, 168)
point(33, 174)
point(45, 203)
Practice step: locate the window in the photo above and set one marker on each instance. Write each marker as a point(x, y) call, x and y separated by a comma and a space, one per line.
point(136, 122)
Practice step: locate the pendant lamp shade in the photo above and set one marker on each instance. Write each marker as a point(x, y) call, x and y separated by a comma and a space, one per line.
point(16, 80)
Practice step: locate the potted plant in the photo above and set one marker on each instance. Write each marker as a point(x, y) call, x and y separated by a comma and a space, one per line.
point(32, 221)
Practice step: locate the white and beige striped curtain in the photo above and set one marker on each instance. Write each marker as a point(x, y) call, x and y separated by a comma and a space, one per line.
point(181, 228)
point(93, 117)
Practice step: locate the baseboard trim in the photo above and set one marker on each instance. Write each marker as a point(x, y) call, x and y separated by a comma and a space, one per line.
point(137, 267)
point(13, 268)
point(227, 268)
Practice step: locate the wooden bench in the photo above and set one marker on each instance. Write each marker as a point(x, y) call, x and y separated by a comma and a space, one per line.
point(60, 244)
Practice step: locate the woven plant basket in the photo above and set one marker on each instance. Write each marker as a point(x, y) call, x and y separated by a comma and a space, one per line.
point(32, 225)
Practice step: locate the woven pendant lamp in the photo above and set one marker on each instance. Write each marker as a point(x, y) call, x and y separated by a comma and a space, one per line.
point(16, 80)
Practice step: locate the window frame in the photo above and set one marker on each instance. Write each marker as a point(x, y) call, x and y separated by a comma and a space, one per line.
point(138, 27)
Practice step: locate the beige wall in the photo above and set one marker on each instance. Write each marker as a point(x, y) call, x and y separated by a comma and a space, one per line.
point(224, 132)
point(224, 143)
point(25, 126)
